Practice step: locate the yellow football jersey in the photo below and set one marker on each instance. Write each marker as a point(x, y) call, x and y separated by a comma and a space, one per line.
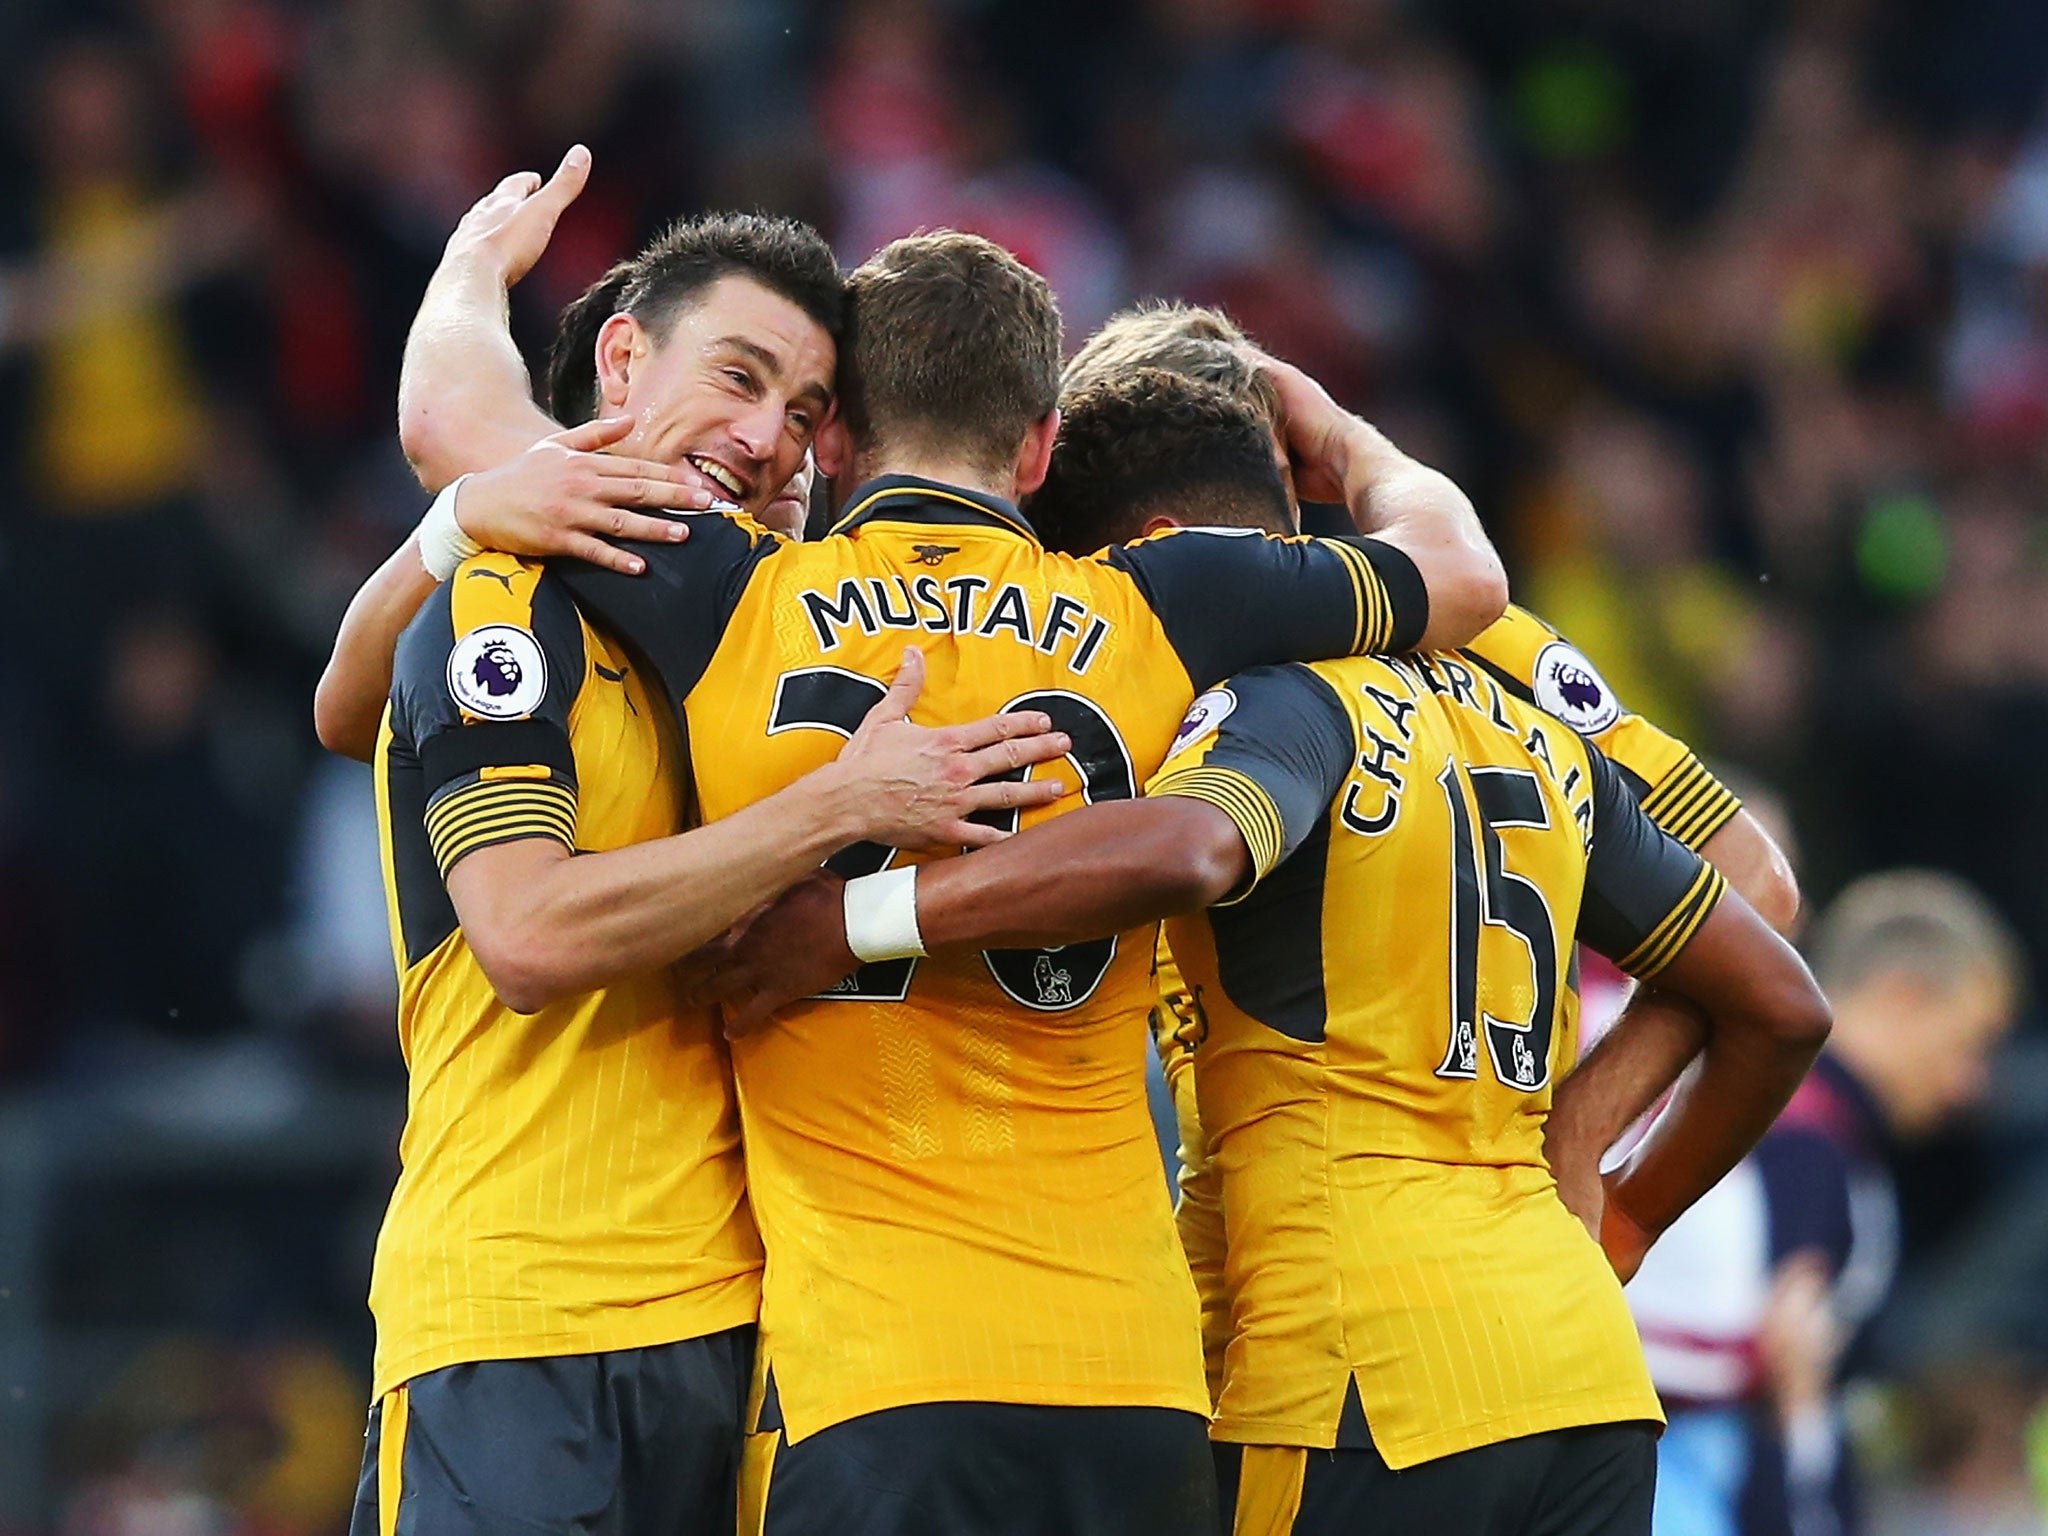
point(1385, 1008)
point(951, 1159)
point(572, 1180)
point(1536, 664)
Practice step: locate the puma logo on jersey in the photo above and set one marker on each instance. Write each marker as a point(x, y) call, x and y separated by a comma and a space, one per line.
point(608, 674)
point(933, 554)
point(497, 576)
point(958, 605)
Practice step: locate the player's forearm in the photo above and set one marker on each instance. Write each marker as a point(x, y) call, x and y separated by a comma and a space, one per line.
point(1767, 1021)
point(1101, 870)
point(550, 926)
point(1422, 512)
point(465, 402)
point(1633, 1065)
point(349, 702)
point(1757, 868)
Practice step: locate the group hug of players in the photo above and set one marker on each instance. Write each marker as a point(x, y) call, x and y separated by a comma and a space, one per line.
point(769, 1163)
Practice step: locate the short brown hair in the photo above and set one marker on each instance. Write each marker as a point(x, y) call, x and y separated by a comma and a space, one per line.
point(1146, 443)
point(785, 256)
point(1188, 339)
point(953, 346)
point(1934, 925)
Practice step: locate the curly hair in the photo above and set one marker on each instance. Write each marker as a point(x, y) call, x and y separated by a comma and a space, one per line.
point(785, 256)
point(1147, 443)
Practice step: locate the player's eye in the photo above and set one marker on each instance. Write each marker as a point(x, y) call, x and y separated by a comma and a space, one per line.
point(742, 380)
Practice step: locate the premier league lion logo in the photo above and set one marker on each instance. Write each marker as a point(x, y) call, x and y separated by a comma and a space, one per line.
point(1579, 688)
point(497, 670)
point(1567, 686)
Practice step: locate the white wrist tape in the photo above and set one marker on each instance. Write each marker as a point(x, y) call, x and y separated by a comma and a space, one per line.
point(443, 544)
point(881, 915)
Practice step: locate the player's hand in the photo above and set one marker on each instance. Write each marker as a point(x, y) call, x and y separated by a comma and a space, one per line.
point(915, 786)
point(796, 948)
point(564, 497)
point(509, 226)
point(1579, 1184)
point(1621, 1238)
point(1318, 430)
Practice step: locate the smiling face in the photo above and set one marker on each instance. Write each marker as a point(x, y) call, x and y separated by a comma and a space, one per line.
point(733, 392)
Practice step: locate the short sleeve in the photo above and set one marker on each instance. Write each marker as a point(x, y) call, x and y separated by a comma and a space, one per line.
point(1538, 665)
point(1233, 598)
point(676, 612)
point(482, 686)
point(1269, 749)
point(1646, 893)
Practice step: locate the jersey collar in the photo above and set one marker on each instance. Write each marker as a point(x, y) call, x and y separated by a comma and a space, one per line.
point(914, 499)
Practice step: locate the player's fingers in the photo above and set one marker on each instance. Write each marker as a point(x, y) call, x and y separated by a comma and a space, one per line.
point(746, 1013)
point(1012, 794)
point(649, 491)
point(972, 834)
point(1020, 753)
point(902, 695)
point(994, 728)
point(597, 552)
point(520, 184)
point(617, 523)
point(619, 466)
point(590, 436)
point(562, 187)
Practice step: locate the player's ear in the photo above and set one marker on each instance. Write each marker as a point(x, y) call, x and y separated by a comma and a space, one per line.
point(620, 345)
point(1034, 455)
point(1159, 524)
point(832, 447)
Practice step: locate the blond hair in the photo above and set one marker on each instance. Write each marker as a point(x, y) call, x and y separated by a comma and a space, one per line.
point(1926, 922)
point(1188, 339)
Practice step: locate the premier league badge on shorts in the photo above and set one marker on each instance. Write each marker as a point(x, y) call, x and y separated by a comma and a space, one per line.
point(498, 671)
point(1568, 687)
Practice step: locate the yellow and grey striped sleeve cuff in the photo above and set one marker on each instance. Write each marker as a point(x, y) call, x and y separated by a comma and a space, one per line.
point(1679, 925)
point(1691, 804)
point(498, 811)
point(1375, 606)
point(1244, 800)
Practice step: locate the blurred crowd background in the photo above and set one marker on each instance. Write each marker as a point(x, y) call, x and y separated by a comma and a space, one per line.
point(1732, 315)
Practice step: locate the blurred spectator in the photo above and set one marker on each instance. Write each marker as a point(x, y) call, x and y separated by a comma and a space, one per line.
point(1749, 1302)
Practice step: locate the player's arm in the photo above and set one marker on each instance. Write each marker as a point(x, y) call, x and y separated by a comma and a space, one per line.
point(464, 399)
point(1340, 457)
point(554, 497)
point(466, 408)
point(546, 922)
point(1229, 602)
point(1219, 815)
point(1658, 910)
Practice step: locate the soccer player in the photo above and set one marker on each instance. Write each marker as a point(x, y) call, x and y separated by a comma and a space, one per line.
point(976, 1315)
point(1340, 458)
point(1396, 856)
point(566, 1281)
